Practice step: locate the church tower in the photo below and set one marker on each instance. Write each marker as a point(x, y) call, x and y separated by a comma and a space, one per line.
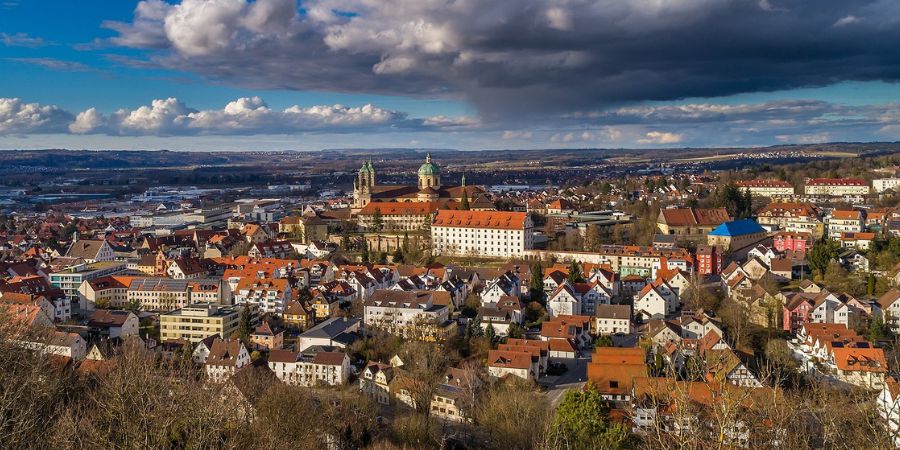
point(362, 185)
point(429, 175)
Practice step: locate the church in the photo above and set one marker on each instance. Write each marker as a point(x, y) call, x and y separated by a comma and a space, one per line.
point(429, 189)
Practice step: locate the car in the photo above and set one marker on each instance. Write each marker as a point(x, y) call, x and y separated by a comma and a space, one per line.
point(557, 368)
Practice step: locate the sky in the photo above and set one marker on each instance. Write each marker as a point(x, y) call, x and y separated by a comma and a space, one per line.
point(466, 74)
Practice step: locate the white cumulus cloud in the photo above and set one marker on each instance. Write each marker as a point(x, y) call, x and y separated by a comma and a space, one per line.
point(660, 138)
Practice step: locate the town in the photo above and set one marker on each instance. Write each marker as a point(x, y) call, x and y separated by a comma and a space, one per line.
point(750, 307)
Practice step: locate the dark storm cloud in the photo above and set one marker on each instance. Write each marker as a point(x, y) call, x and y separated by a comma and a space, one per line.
point(527, 56)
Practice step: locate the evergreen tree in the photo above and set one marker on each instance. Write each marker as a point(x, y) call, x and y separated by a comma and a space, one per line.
point(464, 201)
point(489, 332)
point(514, 331)
point(575, 273)
point(377, 220)
point(582, 421)
point(397, 256)
point(536, 286)
point(244, 325)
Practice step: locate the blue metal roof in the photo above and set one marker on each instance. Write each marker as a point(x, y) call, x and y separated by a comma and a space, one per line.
point(737, 228)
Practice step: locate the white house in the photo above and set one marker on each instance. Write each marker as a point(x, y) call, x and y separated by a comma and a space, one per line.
point(310, 369)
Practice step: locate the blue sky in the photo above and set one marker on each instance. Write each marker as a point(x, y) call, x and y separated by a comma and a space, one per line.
point(279, 74)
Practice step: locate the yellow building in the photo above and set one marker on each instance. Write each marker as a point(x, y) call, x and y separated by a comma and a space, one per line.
point(198, 321)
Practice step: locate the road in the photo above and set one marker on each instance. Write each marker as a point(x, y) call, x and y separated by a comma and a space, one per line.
point(574, 378)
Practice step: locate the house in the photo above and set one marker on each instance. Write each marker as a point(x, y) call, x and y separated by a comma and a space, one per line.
point(792, 217)
point(736, 235)
point(186, 269)
point(853, 260)
point(690, 223)
point(502, 314)
point(269, 294)
point(858, 241)
point(501, 363)
point(888, 405)
point(860, 366)
point(796, 312)
point(724, 366)
point(791, 241)
point(889, 303)
point(484, 233)
point(539, 351)
point(91, 251)
point(836, 186)
point(655, 301)
point(297, 316)
point(335, 332)
point(575, 329)
point(782, 269)
point(375, 382)
point(310, 369)
point(845, 221)
point(709, 260)
point(113, 324)
point(225, 358)
point(612, 319)
point(447, 401)
point(267, 336)
point(612, 371)
point(416, 314)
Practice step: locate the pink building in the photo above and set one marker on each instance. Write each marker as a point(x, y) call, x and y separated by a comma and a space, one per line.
point(796, 312)
point(793, 241)
point(709, 260)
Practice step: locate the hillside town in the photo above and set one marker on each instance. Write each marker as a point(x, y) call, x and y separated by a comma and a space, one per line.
point(746, 307)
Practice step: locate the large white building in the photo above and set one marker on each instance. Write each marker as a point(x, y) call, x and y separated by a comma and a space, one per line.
point(411, 314)
point(882, 184)
point(767, 188)
point(481, 233)
point(310, 369)
point(836, 186)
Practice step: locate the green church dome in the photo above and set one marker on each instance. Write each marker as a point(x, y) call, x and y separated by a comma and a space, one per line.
point(429, 168)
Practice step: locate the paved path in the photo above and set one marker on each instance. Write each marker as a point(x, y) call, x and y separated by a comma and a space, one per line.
point(574, 378)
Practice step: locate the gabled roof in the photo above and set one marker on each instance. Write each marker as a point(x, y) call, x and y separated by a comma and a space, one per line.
point(888, 298)
point(509, 359)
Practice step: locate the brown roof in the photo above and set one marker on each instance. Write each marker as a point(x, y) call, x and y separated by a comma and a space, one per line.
point(613, 311)
point(681, 217)
point(502, 220)
point(87, 249)
point(509, 359)
point(400, 208)
point(224, 352)
point(888, 298)
point(860, 359)
point(613, 369)
point(329, 358)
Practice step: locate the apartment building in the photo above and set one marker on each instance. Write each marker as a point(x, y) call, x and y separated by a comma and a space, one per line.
point(481, 233)
point(836, 186)
point(198, 321)
point(766, 188)
point(411, 314)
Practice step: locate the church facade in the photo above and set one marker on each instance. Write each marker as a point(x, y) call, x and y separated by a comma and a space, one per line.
point(428, 189)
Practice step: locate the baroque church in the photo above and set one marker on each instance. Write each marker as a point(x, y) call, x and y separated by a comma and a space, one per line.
point(428, 189)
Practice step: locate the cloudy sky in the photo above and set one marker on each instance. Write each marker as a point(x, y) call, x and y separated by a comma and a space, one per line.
point(468, 74)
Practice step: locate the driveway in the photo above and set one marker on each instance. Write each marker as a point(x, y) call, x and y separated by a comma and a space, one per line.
point(574, 378)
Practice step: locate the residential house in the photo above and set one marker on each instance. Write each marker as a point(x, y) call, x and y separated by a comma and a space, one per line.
point(225, 358)
point(335, 332)
point(612, 319)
